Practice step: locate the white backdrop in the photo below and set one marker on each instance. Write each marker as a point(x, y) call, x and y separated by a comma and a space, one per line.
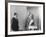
point(2, 19)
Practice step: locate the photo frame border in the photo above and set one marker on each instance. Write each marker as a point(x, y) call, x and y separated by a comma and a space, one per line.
point(6, 18)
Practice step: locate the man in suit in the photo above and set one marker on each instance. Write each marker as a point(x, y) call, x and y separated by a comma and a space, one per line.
point(14, 23)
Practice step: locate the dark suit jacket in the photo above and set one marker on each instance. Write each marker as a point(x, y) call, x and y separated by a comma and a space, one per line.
point(14, 25)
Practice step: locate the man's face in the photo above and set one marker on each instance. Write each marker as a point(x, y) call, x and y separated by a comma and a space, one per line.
point(15, 16)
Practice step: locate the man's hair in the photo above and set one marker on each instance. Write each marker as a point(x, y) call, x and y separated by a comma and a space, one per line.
point(15, 14)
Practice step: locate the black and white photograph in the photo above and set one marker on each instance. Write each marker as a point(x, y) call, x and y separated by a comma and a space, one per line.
point(25, 18)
